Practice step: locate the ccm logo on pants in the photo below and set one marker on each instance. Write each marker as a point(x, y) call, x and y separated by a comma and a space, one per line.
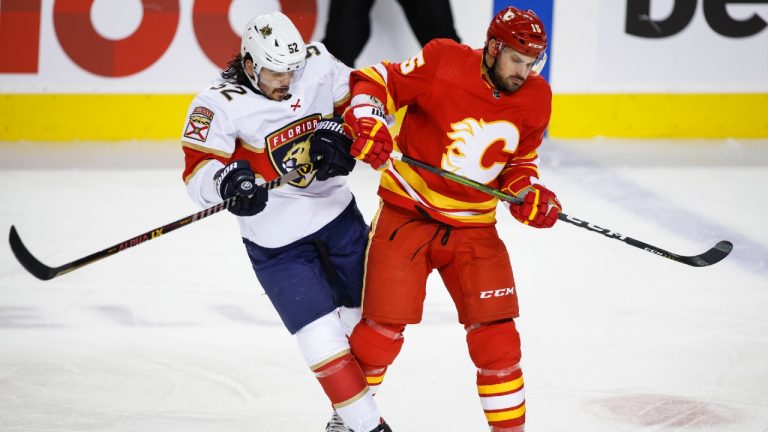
point(497, 293)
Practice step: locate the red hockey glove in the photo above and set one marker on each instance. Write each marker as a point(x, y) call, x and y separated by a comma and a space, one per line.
point(539, 208)
point(372, 141)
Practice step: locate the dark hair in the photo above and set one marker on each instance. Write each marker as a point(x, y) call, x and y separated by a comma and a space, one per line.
point(235, 72)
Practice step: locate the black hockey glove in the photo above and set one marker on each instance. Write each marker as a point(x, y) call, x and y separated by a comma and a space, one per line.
point(237, 179)
point(329, 149)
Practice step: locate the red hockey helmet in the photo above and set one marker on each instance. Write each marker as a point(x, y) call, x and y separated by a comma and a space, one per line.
point(519, 30)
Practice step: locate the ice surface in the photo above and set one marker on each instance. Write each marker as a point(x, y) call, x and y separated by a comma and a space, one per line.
point(177, 335)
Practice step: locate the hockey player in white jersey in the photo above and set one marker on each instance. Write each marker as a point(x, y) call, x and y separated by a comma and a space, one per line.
point(272, 112)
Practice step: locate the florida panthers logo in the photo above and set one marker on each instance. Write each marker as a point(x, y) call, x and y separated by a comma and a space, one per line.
point(480, 150)
point(298, 156)
point(289, 148)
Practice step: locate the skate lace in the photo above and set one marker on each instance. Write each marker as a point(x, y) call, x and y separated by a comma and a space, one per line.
point(337, 424)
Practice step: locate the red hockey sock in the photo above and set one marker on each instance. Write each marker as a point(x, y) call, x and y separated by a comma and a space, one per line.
point(341, 379)
point(495, 350)
point(502, 395)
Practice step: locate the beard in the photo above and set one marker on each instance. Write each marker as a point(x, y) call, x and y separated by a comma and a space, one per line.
point(275, 93)
point(509, 83)
point(279, 93)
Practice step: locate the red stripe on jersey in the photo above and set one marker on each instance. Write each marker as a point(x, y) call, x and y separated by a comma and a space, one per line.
point(194, 158)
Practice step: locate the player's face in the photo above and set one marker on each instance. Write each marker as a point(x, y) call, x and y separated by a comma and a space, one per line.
point(275, 85)
point(512, 68)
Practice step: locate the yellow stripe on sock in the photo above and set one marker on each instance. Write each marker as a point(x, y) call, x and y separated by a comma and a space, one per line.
point(505, 415)
point(374, 380)
point(492, 389)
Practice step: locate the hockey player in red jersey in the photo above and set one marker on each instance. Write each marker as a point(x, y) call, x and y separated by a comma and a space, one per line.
point(269, 114)
point(480, 114)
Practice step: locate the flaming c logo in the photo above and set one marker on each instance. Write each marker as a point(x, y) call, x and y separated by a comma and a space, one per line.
point(479, 150)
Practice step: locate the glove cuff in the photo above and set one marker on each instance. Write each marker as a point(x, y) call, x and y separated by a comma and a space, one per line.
point(364, 110)
point(333, 126)
point(222, 177)
point(517, 187)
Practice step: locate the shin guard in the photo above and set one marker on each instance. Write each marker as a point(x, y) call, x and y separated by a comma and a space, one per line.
point(376, 346)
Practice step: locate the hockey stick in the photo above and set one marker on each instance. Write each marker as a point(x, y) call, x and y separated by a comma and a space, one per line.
point(712, 256)
point(44, 272)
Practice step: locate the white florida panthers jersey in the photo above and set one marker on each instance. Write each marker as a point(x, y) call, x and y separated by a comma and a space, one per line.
point(231, 122)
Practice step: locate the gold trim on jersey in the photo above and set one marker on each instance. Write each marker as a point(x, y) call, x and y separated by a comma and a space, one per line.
point(199, 166)
point(342, 101)
point(204, 149)
point(202, 163)
point(251, 147)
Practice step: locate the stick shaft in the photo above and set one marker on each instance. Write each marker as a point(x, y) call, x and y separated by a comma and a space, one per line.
point(715, 254)
point(44, 272)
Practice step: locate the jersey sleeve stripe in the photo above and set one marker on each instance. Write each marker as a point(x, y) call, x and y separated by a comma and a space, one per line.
point(407, 174)
point(395, 187)
point(194, 171)
point(378, 73)
point(204, 149)
point(382, 70)
point(251, 147)
point(342, 101)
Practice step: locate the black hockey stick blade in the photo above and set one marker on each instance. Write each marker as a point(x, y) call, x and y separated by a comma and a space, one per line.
point(712, 256)
point(27, 260)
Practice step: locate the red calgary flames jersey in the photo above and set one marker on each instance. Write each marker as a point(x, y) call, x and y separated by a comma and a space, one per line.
point(456, 120)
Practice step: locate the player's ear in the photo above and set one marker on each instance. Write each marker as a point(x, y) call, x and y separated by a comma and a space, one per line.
point(248, 66)
point(491, 51)
point(494, 47)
